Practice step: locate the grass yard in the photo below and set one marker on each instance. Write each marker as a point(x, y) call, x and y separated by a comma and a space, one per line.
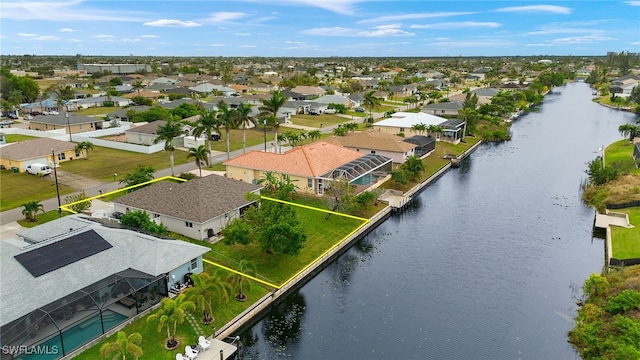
point(16, 189)
point(316, 120)
point(12, 138)
point(104, 162)
point(621, 150)
point(42, 218)
point(99, 110)
point(626, 242)
point(277, 268)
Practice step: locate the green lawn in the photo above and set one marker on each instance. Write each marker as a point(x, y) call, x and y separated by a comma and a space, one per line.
point(277, 268)
point(621, 150)
point(17, 189)
point(12, 138)
point(103, 162)
point(43, 218)
point(100, 110)
point(626, 242)
point(315, 121)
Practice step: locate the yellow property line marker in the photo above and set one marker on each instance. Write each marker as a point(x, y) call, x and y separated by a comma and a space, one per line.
point(66, 207)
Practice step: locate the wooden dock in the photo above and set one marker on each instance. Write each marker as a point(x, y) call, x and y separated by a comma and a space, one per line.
point(220, 350)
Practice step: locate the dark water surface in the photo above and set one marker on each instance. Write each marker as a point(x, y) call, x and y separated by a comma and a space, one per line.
point(481, 268)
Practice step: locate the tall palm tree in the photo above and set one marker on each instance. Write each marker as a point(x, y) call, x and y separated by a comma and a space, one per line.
point(629, 130)
point(244, 119)
point(206, 290)
point(200, 154)
point(371, 102)
point(227, 119)
point(31, 208)
point(171, 312)
point(207, 123)
point(269, 112)
point(237, 281)
point(419, 128)
point(84, 147)
point(137, 86)
point(167, 132)
point(123, 346)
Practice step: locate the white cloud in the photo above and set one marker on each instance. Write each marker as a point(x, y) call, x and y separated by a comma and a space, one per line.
point(27, 35)
point(537, 8)
point(149, 36)
point(225, 16)
point(74, 40)
point(243, 34)
point(412, 16)
point(217, 45)
point(457, 25)
point(222, 28)
point(344, 7)
point(131, 40)
point(472, 43)
point(171, 23)
point(61, 11)
point(247, 46)
point(385, 30)
point(635, 43)
point(46, 38)
point(66, 30)
point(378, 31)
point(537, 45)
point(102, 36)
point(331, 31)
point(632, 3)
point(588, 39)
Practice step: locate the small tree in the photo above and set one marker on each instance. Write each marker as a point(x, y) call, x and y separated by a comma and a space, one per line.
point(81, 206)
point(31, 209)
point(123, 346)
point(169, 315)
point(238, 281)
point(142, 174)
point(414, 166)
point(83, 148)
point(207, 289)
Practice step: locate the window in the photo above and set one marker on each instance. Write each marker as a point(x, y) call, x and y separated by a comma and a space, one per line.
point(309, 183)
point(61, 156)
point(442, 111)
point(80, 126)
point(373, 151)
point(77, 153)
point(188, 224)
point(194, 264)
point(401, 129)
point(155, 216)
point(91, 125)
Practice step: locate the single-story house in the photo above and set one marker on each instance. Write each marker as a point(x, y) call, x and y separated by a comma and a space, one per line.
point(36, 151)
point(99, 101)
point(311, 167)
point(204, 88)
point(146, 134)
point(73, 279)
point(376, 142)
point(335, 99)
point(121, 114)
point(402, 122)
point(199, 208)
point(443, 108)
point(313, 91)
point(623, 87)
point(69, 122)
point(424, 144)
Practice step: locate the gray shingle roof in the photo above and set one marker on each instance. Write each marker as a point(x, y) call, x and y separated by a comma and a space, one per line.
point(197, 200)
point(150, 128)
point(131, 250)
point(62, 119)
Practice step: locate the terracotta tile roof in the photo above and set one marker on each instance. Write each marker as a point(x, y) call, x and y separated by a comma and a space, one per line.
point(311, 160)
point(34, 148)
point(373, 139)
point(197, 200)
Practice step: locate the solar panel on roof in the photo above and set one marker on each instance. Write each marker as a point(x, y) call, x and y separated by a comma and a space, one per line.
point(62, 253)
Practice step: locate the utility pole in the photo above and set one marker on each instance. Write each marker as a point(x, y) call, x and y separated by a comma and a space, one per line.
point(55, 172)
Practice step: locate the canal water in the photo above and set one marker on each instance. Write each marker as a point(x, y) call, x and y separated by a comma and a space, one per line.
point(484, 266)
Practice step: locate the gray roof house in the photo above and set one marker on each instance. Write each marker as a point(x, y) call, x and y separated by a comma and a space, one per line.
point(146, 134)
point(444, 108)
point(198, 208)
point(74, 278)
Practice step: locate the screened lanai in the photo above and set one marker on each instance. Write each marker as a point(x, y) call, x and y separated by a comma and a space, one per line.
point(362, 171)
point(65, 324)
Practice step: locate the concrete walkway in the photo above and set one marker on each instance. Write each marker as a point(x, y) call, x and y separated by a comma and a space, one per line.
point(603, 221)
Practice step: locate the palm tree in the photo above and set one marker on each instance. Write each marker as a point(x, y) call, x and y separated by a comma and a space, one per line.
point(137, 86)
point(414, 166)
point(171, 312)
point(31, 208)
point(84, 147)
point(244, 119)
point(200, 154)
point(237, 280)
point(314, 135)
point(371, 102)
point(207, 289)
point(123, 346)
point(629, 130)
point(437, 130)
point(227, 119)
point(419, 128)
point(171, 130)
point(269, 112)
point(207, 123)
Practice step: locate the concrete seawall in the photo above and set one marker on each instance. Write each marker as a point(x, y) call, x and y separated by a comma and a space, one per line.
point(264, 304)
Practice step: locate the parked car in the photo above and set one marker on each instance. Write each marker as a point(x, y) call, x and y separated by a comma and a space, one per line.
point(6, 122)
point(330, 111)
point(38, 169)
point(13, 115)
point(36, 113)
point(28, 117)
point(360, 109)
point(314, 112)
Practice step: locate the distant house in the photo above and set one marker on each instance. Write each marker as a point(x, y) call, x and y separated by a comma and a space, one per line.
point(312, 91)
point(99, 101)
point(121, 114)
point(335, 99)
point(76, 275)
point(199, 208)
point(144, 134)
point(376, 142)
point(205, 88)
point(36, 151)
point(73, 123)
point(450, 108)
point(311, 167)
point(623, 86)
point(402, 122)
point(163, 80)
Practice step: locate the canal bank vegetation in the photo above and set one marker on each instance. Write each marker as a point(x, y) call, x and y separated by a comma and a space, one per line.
point(608, 323)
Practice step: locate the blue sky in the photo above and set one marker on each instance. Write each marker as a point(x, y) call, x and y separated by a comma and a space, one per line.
point(318, 28)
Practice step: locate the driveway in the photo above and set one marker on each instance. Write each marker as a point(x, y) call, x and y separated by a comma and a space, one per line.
point(76, 181)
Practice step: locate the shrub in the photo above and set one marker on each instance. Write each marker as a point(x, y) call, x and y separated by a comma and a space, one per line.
point(626, 300)
point(108, 104)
